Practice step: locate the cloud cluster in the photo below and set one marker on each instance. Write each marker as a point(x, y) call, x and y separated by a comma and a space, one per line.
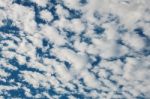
point(75, 49)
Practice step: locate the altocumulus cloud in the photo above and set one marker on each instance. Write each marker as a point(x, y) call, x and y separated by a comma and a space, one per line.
point(74, 49)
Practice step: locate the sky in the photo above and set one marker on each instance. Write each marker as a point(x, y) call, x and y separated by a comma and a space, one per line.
point(74, 49)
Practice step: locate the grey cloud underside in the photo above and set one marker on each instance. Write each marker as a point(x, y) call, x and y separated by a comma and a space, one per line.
point(75, 49)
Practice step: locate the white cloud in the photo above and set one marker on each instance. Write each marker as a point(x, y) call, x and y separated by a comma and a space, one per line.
point(61, 11)
point(23, 17)
point(89, 79)
point(46, 15)
point(72, 4)
point(134, 41)
point(3, 73)
point(78, 61)
point(35, 79)
point(2, 87)
point(77, 25)
point(132, 72)
point(52, 34)
point(42, 3)
point(5, 3)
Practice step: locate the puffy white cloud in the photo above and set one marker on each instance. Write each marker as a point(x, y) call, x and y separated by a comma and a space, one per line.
point(46, 15)
point(23, 17)
point(52, 34)
point(35, 79)
point(89, 79)
point(78, 61)
point(134, 41)
point(63, 73)
point(61, 11)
